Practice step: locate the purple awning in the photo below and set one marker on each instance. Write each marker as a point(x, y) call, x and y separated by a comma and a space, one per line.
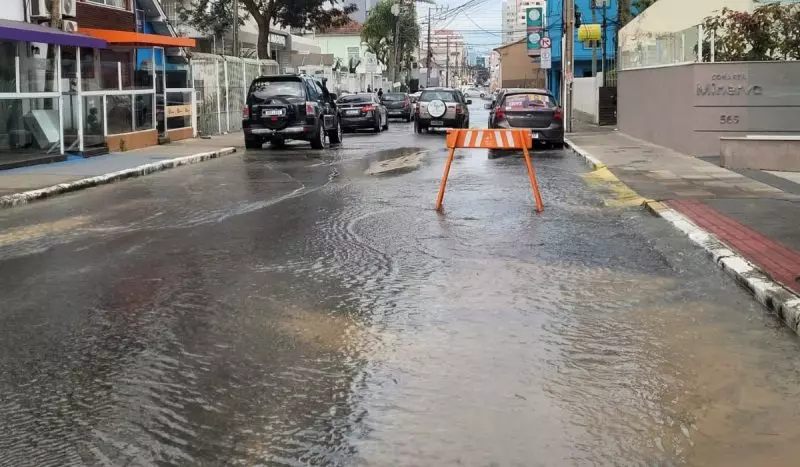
point(28, 32)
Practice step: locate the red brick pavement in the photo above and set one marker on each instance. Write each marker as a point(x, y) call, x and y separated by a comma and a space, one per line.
point(780, 262)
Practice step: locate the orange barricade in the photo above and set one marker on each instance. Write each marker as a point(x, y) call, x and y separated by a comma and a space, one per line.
point(490, 139)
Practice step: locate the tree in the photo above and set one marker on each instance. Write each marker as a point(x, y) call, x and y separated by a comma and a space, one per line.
point(216, 16)
point(770, 32)
point(320, 14)
point(379, 33)
point(209, 16)
point(641, 5)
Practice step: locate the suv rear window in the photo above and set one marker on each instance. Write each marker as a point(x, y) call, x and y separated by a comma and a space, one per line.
point(355, 99)
point(446, 96)
point(522, 101)
point(262, 90)
point(395, 96)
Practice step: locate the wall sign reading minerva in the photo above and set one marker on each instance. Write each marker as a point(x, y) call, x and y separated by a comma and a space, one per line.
point(739, 87)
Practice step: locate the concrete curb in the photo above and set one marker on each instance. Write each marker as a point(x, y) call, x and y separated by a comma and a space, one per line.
point(55, 190)
point(771, 294)
point(593, 162)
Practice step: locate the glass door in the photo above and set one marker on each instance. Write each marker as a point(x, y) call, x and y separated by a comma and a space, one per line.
point(160, 76)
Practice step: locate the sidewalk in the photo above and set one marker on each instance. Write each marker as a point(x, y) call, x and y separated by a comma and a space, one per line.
point(39, 181)
point(753, 213)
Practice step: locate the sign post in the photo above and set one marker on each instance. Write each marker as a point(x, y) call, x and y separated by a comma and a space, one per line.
point(535, 28)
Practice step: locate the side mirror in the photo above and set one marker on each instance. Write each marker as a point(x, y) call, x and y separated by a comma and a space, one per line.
point(469, 101)
point(487, 106)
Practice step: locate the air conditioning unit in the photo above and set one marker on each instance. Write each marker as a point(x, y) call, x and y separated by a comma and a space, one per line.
point(69, 8)
point(40, 9)
point(69, 25)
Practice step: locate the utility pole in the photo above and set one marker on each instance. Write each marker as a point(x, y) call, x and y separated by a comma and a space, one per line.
point(428, 53)
point(593, 5)
point(447, 66)
point(55, 16)
point(603, 40)
point(569, 59)
point(235, 28)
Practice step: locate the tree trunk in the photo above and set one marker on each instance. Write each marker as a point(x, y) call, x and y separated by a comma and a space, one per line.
point(263, 40)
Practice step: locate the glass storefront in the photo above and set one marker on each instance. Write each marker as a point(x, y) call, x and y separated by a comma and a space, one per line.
point(30, 126)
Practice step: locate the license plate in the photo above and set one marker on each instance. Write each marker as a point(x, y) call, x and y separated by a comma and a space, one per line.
point(272, 112)
point(437, 123)
point(353, 112)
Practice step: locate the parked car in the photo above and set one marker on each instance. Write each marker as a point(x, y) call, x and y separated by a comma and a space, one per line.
point(285, 107)
point(363, 111)
point(535, 109)
point(442, 108)
point(475, 92)
point(398, 104)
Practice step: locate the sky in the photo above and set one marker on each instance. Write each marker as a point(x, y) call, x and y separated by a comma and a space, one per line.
point(479, 21)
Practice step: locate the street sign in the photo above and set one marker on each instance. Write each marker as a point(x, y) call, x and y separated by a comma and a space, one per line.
point(535, 29)
point(545, 42)
point(546, 58)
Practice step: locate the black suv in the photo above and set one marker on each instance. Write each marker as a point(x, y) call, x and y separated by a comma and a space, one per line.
point(290, 107)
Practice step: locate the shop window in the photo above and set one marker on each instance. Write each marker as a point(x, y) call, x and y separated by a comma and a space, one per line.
point(119, 114)
point(29, 125)
point(93, 112)
point(69, 69)
point(178, 73)
point(143, 69)
point(143, 112)
point(37, 67)
point(8, 75)
point(179, 110)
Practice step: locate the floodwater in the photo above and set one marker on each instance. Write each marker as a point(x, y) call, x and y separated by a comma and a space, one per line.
point(286, 308)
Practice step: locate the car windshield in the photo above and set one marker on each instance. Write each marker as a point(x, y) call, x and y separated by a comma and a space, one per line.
point(356, 99)
point(395, 96)
point(531, 100)
point(446, 96)
point(266, 89)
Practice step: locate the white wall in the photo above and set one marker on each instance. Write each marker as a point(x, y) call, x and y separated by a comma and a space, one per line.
point(13, 9)
point(586, 95)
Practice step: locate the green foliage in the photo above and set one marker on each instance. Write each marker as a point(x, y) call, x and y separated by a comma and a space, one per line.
point(771, 32)
point(379, 30)
point(209, 16)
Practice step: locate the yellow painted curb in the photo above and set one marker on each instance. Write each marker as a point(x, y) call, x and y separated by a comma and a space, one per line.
point(622, 195)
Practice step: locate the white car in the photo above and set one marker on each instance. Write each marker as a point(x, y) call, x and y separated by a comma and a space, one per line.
point(475, 92)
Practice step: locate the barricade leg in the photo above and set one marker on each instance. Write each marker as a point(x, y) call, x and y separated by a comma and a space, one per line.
point(534, 183)
point(443, 185)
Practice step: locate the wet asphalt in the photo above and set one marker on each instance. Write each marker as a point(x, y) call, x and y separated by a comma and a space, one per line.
point(283, 307)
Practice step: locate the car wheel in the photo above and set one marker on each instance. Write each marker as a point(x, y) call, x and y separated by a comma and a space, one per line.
point(318, 139)
point(377, 127)
point(253, 143)
point(335, 136)
point(386, 124)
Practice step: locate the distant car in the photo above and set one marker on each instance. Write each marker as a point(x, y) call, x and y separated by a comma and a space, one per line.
point(535, 109)
point(363, 111)
point(285, 107)
point(475, 92)
point(398, 104)
point(442, 108)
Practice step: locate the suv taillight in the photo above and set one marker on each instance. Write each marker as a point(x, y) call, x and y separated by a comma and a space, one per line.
point(558, 115)
point(500, 113)
point(368, 108)
point(459, 110)
point(246, 112)
point(310, 108)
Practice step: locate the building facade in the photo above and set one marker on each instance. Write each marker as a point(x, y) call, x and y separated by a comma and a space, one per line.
point(105, 81)
point(448, 55)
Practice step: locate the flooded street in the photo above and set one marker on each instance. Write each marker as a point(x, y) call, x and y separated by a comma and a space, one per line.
point(291, 307)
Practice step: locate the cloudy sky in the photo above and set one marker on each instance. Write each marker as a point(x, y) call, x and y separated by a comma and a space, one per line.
point(479, 21)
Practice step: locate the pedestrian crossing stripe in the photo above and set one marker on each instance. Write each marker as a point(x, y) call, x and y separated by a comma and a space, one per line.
point(489, 138)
